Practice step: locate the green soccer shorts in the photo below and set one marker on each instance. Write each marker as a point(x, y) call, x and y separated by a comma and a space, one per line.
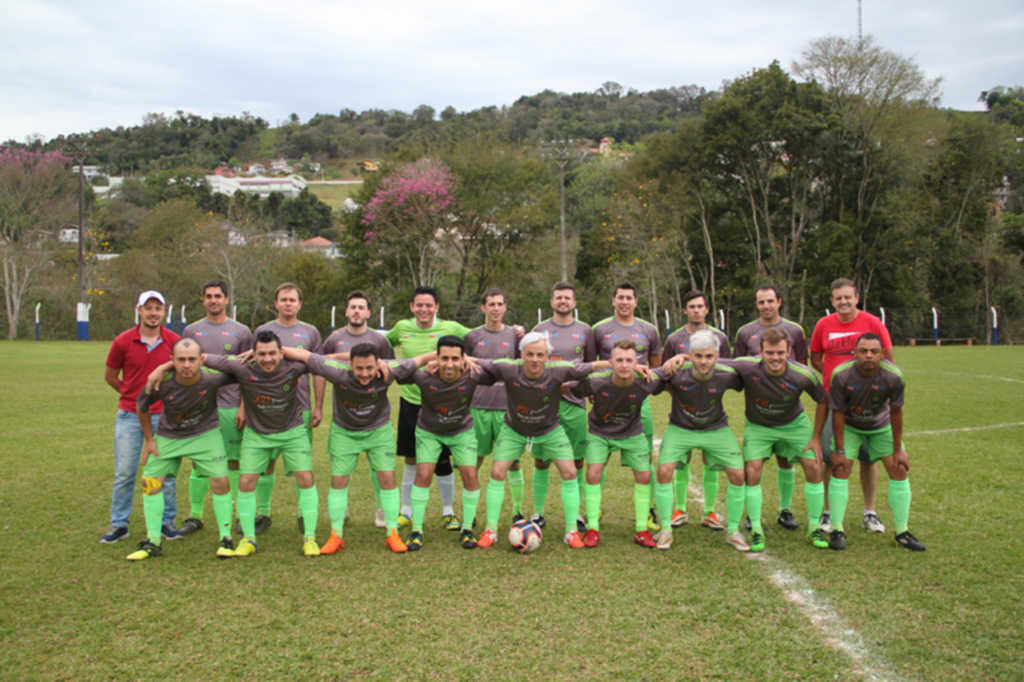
point(307, 416)
point(552, 445)
point(486, 427)
point(205, 450)
point(634, 452)
point(258, 449)
point(232, 437)
point(574, 421)
point(719, 445)
point(462, 445)
point(879, 441)
point(787, 440)
point(344, 448)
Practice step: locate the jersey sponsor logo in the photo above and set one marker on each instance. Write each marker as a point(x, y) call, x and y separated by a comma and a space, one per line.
point(228, 334)
point(198, 333)
point(715, 390)
point(296, 335)
point(485, 343)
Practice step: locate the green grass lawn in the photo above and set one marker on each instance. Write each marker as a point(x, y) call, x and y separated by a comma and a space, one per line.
point(334, 195)
point(72, 609)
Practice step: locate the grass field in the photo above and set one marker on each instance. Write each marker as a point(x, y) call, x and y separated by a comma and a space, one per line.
point(334, 195)
point(72, 609)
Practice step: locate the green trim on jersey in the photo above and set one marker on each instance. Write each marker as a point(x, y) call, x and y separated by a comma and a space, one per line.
point(635, 320)
point(725, 368)
point(802, 369)
point(893, 369)
point(845, 366)
point(549, 363)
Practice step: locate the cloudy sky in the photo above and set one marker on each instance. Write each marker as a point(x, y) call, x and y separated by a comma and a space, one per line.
point(71, 66)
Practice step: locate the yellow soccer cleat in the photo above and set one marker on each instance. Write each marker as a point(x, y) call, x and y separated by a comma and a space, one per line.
point(246, 547)
point(310, 548)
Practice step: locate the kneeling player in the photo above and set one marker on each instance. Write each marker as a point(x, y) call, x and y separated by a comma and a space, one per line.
point(866, 398)
point(188, 427)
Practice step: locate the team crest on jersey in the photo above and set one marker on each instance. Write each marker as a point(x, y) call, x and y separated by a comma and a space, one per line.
point(227, 346)
point(287, 387)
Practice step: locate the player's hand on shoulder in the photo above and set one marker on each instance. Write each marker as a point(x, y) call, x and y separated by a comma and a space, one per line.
point(646, 372)
point(469, 364)
point(383, 369)
point(432, 367)
point(520, 330)
point(246, 356)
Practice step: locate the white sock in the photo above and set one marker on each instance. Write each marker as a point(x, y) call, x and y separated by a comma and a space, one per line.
point(446, 486)
point(408, 478)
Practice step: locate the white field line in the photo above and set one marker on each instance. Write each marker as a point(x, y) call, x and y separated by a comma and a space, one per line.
point(964, 429)
point(978, 376)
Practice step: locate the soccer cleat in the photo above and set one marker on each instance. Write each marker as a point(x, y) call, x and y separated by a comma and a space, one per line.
point(757, 542)
point(226, 549)
point(680, 518)
point(581, 525)
point(737, 542)
point(309, 546)
point(539, 520)
point(817, 538)
point(487, 539)
point(574, 540)
point(653, 524)
point(747, 525)
point(395, 544)
point(246, 546)
point(146, 550)
point(825, 523)
point(645, 539)
point(910, 542)
point(302, 524)
point(592, 538)
point(837, 540)
point(333, 544)
point(664, 540)
point(787, 521)
point(169, 532)
point(191, 525)
point(114, 535)
point(467, 540)
point(451, 522)
point(871, 523)
point(516, 518)
point(415, 541)
point(378, 519)
point(263, 523)
point(712, 521)
point(404, 520)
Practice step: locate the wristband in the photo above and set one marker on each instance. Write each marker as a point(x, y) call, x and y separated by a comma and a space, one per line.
point(839, 451)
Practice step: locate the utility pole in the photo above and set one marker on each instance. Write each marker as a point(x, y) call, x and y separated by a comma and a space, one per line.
point(78, 151)
point(562, 152)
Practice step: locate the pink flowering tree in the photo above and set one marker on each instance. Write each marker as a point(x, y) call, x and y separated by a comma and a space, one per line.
point(37, 198)
point(409, 214)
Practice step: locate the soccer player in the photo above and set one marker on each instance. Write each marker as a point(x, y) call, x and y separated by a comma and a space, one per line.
point(494, 340)
point(414, 337)
point(217, 334)
point(357, 313)
point(274, 427)
point(532, 425)
point(189, 426)
point(698, 422)
point(748, 343)
point(615, 425)
point(697, 307)
point(572, 341)
point(776, 422)
point(133, 355)
point(832, 344)
point(291, 333)
point(866, 398)
point(446, 419)
point(625, 325)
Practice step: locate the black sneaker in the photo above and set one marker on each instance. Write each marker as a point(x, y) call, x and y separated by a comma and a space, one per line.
point(190, 526)
point(516, 518)
point(539, 520)
point(748, 525)
point(226, 550)
point(415, 541)
point(114, 534)
point(466, 539)
point(302, 524)
point(910, 542)
point(581, 525)
point(837, 540)
point(169, 532)
point(263, 524)
point(146, 550)
point(787, 521)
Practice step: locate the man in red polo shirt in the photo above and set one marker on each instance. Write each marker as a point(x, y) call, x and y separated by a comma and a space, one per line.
point(834, 342)
point(133, 355)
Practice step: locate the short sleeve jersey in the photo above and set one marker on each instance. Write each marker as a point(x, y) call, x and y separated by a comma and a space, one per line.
point(226, 338)
point(446, 406)
point(413, 341)
point(571, 343)
point(342, 341)
point(533, 403)
point(748, 339)
point(616, 412)
point(136, 360)
point(271, 401)
point(642, 333)
point(678, 343)
point(358, 407)
point(188, 410)
point(837, 339)
point(865, 401)
point(775, 401)
point(487, 345)
point(303, 337)
point(697, 404)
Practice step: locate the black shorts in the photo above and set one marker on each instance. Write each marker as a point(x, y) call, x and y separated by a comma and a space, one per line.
point(406, 446)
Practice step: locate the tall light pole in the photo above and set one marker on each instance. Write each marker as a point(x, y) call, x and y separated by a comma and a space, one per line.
point(78, 151)
point(562, 152)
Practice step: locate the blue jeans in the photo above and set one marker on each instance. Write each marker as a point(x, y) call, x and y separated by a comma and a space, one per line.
point(128, 440)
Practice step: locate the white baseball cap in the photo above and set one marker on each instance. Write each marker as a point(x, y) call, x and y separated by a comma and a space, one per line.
point(146, 295)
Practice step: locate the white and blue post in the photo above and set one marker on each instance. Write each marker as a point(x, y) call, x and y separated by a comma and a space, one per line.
point(382, 318)
point(83, 321)
point(37, 320)
point(182, 320)
point(721, 321)
point(668, 329)
point(170, 317)
point(882, 310)
point(995, 326)
point(334, 308)
point(935, 324)
point(539, 318)
point(234, 313)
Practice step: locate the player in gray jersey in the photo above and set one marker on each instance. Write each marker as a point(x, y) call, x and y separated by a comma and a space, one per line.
point(776, 422)
point(615, 425)
point(217, 334)
point(571, 341)
point(274, 425)
point(188, 427)
point(292, 333)
point(698, 421)
point(356, 331)
point(866, 398)
point(625, 325)
point(697, 308)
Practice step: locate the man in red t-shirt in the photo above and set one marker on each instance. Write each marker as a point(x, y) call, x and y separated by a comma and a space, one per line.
point(133, 355)
point(833, 343)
